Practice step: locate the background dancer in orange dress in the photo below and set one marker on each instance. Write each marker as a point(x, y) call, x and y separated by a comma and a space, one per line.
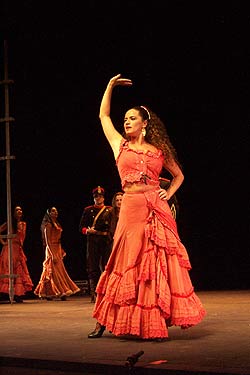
point(145, 287)
point(22, 283)
point(55, 281)
point(116, 205)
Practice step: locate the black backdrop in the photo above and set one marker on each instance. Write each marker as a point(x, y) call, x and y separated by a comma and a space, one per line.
point(189, 62)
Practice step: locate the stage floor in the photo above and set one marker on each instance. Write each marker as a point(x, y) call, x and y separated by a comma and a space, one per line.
point(40, 337)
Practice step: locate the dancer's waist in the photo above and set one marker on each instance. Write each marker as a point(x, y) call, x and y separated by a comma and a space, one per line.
point(139, 187)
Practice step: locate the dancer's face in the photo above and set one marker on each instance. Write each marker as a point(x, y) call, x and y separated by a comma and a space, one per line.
point(118, 200)
point(18, 212)
point(53, 213)
point(133, 123)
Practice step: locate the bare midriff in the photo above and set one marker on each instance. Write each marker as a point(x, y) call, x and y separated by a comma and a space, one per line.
point(138, 187)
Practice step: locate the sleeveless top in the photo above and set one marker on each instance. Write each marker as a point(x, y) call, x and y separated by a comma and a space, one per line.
point(138, 165)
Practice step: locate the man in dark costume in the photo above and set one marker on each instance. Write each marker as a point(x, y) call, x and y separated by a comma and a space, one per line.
point(95, 224)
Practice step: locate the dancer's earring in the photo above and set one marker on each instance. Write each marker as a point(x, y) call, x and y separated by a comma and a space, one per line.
point(143, 131)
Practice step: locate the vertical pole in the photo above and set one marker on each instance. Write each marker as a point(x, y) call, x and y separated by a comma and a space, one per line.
point(7, 158)
point(8, 182)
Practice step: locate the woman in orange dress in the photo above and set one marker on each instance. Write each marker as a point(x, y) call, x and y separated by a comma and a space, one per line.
point(22, 282)
point(116, 205)
point(145, 287)
point(54, 281)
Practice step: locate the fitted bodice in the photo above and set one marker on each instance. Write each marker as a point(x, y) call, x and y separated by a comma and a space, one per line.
point(139, 166)
point(54, 233)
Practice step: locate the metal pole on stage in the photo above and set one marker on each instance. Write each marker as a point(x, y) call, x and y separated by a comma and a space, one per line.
point(7, 158)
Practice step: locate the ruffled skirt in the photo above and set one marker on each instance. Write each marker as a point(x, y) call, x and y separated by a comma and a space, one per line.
point(55, 280)
point(146, 287)
point(22, 282)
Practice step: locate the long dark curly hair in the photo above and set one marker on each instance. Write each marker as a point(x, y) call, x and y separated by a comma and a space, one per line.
point(156, 134)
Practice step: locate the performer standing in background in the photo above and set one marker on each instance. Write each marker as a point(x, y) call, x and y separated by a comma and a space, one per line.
point(22, 283)
point(146, 286)
point(95, 224)
point(116, 206)
point(54, 281)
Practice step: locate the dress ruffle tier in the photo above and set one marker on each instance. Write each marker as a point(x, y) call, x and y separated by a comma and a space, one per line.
point(146, 287)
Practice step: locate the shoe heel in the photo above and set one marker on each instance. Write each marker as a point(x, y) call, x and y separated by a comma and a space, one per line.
point(98, 331)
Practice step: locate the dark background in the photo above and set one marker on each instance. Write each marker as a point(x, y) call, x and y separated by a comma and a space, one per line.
point(189, 62)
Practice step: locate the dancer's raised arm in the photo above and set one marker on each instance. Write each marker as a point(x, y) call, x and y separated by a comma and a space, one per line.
point(112, 135)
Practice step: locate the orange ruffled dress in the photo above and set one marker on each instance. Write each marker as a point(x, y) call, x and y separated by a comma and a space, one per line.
point(54, 280)
point(22, 283)
point(146, 286)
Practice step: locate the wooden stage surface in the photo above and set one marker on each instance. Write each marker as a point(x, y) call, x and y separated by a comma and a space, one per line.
point(40, 337)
